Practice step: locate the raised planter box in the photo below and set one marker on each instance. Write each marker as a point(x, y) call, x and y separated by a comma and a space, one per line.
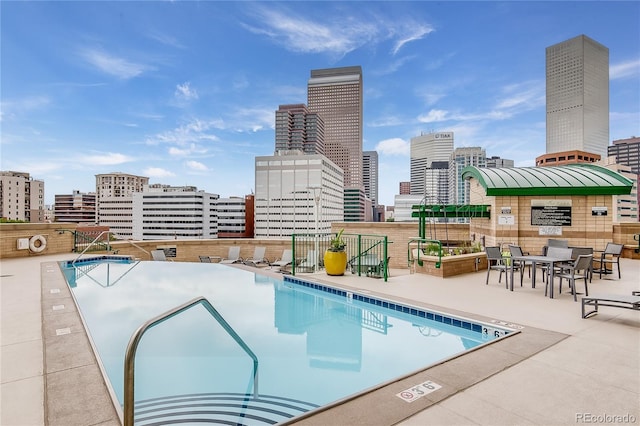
point(452, 265)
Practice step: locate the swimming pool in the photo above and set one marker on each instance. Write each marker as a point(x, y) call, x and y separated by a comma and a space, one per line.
point(315, 344)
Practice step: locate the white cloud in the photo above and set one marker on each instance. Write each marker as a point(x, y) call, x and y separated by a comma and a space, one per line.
point(118, 67)
point(105, 159)
point(194, 131)
point(527, 95)
point(433, 116)
point(387, 121)
point(184, 92)
point(417, 33)
point(394, 146)
point(157, 172)
point(196, 166)
point(624, 69)
point(10, 108)
point(186, 151)
point(338, 34)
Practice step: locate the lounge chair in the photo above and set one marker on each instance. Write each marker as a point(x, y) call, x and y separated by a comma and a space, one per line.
point(612, 300)
point(285, 260)
point(258, 258)
point(159, 255)
point(233, 256)
point(309, 264)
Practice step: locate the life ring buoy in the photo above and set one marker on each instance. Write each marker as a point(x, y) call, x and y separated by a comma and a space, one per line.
point(37, 243)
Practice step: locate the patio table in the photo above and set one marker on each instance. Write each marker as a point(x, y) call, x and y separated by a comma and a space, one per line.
point(534, 259)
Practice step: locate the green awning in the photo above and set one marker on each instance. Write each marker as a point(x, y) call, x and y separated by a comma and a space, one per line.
point(450, 210)
point(571, 179)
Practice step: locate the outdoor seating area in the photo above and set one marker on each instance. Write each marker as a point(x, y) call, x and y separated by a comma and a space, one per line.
point(558, 263)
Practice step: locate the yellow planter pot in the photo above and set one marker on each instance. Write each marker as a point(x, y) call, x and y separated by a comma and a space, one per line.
point(335, 262)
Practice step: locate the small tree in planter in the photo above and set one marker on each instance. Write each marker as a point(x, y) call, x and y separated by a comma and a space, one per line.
point(335, 257)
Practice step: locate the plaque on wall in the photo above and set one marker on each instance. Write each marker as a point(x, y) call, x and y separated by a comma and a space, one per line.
point(598, 211)
point(550, 216)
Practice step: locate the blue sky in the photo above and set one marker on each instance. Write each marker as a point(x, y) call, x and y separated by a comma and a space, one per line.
point(186, 92)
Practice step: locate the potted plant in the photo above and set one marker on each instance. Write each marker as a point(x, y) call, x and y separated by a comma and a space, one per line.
point(335, 257)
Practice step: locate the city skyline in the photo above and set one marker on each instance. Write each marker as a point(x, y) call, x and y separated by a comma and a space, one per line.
point(185, 93)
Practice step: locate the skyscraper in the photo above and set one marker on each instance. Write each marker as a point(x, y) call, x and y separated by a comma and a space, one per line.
point(627, 152)
point(577, 75)
point(336, 94)
point(370, 175)
point(461, 158)
point(427, 149)
point(299, 129)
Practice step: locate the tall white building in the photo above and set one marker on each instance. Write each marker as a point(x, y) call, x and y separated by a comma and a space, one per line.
point(461, 158)
point(114, 201)
point(429, 179)
point(163, 212)
point(21, 197)
point(577, 76)
point(296, 194)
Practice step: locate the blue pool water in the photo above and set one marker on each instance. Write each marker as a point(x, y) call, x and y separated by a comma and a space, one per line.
point(315, 344)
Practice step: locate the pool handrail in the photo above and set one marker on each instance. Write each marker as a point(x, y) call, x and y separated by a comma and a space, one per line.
point(129, 360)
point(89, 246)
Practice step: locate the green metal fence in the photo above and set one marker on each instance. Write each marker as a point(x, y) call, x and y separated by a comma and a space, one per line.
point(366, 254)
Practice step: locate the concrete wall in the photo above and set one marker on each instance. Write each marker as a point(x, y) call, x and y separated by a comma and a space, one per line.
point(399, 234)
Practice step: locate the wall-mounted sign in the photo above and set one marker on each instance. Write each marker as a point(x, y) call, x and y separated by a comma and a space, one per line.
point(506, 219)
point(550, 230)
point(550, 212)
point(443, 136)
point(598, 211)
point(505, 210)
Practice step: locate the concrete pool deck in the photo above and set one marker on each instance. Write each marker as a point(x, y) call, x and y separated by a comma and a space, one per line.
point(561, 369)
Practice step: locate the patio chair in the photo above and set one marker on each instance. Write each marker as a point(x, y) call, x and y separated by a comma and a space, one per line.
point(285, 260)
point(516, 251)
point(495, 262)
point(205, 259)
point(554, 251)
point(578, 269)
point(610, 256)
point(159, 255)
point(233, 256)
point(258, 258)
point(578, 251)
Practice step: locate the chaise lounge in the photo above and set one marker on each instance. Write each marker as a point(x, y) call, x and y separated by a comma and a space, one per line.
point(613, 300)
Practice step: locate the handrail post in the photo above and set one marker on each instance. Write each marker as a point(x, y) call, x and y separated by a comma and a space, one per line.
point(92, 243)
point(130, 354)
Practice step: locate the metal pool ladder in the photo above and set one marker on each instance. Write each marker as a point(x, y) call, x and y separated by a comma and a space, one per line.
point(129, 360)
